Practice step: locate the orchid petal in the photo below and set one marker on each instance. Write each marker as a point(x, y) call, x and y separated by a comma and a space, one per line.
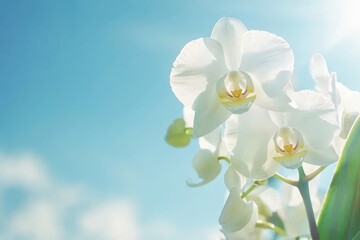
point(349, 99)
point(271, 198)
point(199, 65)
point(236, 213)
point(209, 113)
point(268, 58)
point(188, 115)
point(229, 31)
point(250, 153)
point(211, 141)
point(310, 100)
point(206, 166)
point(317, 121)
point(233, 179)
point(248, 232)
point(294, 218)
point(278, 101)
point(322, 157)
point(320, 74)
point(348, 120)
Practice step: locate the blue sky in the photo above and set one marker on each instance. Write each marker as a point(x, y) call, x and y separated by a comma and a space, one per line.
point(84, 87)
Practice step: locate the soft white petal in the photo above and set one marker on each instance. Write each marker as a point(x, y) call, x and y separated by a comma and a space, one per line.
point(236, 213)
point(242, 167)
point(247, 137)
point(222, 150)
point(206, 166)
point(228, 32)
point(249, 232)
point(271, 198)
point(322, 157)
point(266, 56)
point(188, 115)
point(279, 102)
point(199, 65)
point(350, 100)
point(339, 144)
point(275, 87)
point(310, 100)
point(316, 132)
point(318, 67)
point(320, 74)
point(309, 168)
point(278, 118)
point(209, 113)
point(267, 197)
point(290, 195)
point(347, 122)
point(233, 179)
point(211, 141)
point(316, 118)
point(295, 221)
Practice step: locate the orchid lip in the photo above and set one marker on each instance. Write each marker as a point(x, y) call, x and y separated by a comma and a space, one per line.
point(289, 146)
point(288, 141)
point(235, 91)
point(292, 161)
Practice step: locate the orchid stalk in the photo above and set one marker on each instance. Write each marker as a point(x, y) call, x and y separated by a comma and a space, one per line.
point(303, 187)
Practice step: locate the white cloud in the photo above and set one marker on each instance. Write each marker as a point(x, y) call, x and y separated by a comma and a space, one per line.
point(112, 221)
point(38, 220)
point(24, 170)
point(56, 211)
point(160, 229)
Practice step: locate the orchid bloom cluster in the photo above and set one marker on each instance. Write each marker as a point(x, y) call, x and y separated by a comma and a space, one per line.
point(239, 101)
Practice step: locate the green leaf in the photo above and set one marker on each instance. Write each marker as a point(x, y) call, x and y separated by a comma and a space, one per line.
point(357, 236)
point(177, 135)
point(340, 215)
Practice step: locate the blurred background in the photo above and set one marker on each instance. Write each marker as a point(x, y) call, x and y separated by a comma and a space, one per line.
point(85, 103)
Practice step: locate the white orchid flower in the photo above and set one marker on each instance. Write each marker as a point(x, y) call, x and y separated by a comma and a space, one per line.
point(238, 213)
point(206, 161)
point(261, 142)
point(248, 232)
point(225, 73)
point(346, 100)
point(305, 133)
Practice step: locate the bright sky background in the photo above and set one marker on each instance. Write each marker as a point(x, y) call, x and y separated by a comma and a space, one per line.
point(85, 102)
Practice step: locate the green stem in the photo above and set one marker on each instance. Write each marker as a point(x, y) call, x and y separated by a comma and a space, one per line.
point(267, 225)
point(286, 180)
point(315, 173)
point(189, 131)
point(249, 190)
point(224, 158)
point(305, 194)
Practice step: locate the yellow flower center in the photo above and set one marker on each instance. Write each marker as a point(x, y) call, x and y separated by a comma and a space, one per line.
point(235, 91)
point(288, 148)
point(288, 141)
